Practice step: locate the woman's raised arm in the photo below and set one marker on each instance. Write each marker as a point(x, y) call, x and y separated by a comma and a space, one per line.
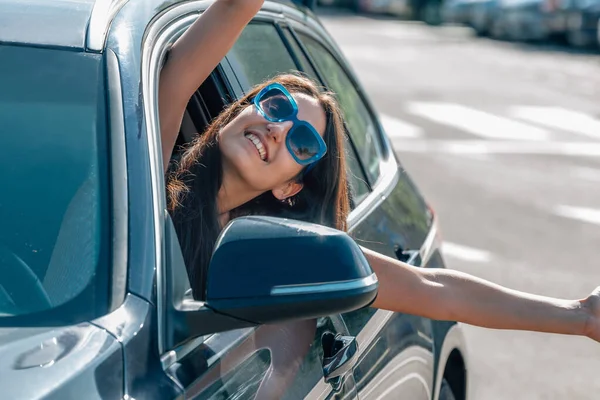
point(443, 294)
point(193, 57)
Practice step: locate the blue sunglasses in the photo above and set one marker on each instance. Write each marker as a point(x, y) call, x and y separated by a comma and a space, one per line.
point(303, 141)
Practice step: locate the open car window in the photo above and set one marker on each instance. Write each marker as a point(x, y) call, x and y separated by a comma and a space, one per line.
point(260, 54)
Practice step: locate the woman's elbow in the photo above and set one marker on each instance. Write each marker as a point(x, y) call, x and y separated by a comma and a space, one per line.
point(410, 293)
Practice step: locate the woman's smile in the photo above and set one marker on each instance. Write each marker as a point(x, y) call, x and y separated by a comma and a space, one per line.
point(259, 144)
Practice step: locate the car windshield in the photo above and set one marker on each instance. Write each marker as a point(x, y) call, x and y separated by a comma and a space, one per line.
point(53, 183)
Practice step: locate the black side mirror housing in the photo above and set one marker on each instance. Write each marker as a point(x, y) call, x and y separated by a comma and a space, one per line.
point(266, 270)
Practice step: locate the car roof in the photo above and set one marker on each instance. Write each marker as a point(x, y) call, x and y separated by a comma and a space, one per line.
point(59, 23)
point(76, 24)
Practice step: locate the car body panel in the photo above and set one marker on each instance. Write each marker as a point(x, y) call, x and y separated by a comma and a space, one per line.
point(134, 325)
point(395, 346)
point(60, 363)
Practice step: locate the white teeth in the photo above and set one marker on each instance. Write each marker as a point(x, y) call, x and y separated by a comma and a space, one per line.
point(258, 144)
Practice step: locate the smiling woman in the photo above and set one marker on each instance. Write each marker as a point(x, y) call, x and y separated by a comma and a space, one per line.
point(222, 175)
point(240, 166)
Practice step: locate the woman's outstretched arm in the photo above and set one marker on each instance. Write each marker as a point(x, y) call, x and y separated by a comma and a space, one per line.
point(443, 294)
point(193, 57)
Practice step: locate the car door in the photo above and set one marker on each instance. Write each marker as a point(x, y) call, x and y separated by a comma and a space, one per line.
point(396, 351)
point(270, 361)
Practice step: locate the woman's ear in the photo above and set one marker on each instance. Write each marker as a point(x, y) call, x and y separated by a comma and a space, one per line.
point(287, 190)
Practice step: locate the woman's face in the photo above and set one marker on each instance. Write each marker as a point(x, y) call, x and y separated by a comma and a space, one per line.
point(266, 165)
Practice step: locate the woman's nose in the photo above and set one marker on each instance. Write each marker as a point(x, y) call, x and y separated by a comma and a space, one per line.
point(278, 130)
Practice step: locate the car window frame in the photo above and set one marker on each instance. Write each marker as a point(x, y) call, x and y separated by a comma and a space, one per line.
point(159, 34)
point(344, 66)
point(389, 165)
point(319, 76)
point(320, 54)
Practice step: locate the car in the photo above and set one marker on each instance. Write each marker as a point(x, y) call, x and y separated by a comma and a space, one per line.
point(398, 8)
point(351, 4)
point(484, 16)
point(458, 11)
point(425, 10)
point(522, 20)
point(575, 20)
point(95, 299)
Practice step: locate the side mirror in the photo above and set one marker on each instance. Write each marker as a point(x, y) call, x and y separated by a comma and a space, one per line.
point(267, 270)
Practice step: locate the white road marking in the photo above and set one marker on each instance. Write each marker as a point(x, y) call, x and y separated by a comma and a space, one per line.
point(465, 253)
point(576, 149)
point(477, 122)
point(591, 215)
point(397, 128)
point(561, 118)
point(381, 57)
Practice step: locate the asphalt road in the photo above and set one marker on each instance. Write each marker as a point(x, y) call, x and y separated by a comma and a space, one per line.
point(504, 141)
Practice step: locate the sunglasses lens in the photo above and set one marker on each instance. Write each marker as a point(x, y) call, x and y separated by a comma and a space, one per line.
point(303, 143)
point(276, 105)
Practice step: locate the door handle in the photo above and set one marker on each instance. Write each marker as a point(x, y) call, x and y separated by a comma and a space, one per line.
point(340, 354)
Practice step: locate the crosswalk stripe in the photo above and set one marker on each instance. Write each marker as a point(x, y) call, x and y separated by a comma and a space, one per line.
point(590, 215)
point(397, 128)
point(561, 118)
point(477, 122)
point(575, 149)
point(465, 253)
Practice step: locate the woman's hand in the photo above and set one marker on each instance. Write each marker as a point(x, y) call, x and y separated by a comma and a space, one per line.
point(592, 304)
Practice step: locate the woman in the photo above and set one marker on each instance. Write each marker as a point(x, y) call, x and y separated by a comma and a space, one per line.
point(263, 156)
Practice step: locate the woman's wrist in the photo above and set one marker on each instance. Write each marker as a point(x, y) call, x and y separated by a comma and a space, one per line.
point(587, 308)
point(582, 318)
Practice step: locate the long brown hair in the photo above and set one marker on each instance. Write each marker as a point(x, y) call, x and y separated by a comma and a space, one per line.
point(194, 183)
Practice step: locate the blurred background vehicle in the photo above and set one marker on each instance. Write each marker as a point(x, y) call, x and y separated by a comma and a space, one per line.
point(338, 3)
point(399, 8)
point(425, 10)
point(484, 16)
point(521, 20)
point(458, 11)
point(574, 20)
